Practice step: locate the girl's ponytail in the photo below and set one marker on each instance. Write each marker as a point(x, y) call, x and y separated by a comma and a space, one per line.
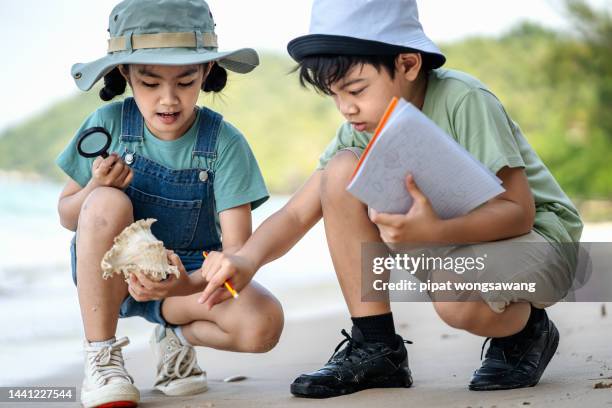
point(216, 80)
point(114, 84)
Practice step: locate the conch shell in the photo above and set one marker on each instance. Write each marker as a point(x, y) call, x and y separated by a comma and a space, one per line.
point(137, 249)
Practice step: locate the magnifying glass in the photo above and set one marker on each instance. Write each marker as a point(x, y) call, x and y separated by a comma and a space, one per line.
point(94, 142)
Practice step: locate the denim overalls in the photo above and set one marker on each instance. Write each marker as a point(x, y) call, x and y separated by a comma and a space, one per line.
point(182, 201)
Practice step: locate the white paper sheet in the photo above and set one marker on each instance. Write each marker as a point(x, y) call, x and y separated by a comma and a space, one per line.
point(453, 180)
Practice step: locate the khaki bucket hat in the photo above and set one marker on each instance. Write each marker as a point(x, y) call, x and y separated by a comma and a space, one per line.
point(162, 32)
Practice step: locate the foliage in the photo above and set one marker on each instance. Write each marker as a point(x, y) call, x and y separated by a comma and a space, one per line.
point(557, 86)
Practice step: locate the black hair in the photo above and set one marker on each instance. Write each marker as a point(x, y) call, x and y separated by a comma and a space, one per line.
point(115, 83)
point(322, 71)
point(216, 80)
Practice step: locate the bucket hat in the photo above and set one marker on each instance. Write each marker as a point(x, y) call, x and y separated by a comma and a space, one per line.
point(365, 27)
point(162, 32)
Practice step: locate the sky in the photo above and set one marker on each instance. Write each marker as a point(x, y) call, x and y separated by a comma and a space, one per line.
point(41, 39)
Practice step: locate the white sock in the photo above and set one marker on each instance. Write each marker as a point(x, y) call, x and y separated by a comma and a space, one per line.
point(102, 343)
point(179, 333)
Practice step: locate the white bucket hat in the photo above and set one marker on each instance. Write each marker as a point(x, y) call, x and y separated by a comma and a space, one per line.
point(365, 27)
point(162, 32)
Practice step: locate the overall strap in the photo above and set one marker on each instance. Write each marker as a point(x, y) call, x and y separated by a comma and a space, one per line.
point(208, 131)
point(132, 122)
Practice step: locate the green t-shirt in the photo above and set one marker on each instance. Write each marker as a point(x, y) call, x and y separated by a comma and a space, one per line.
point(465, 109)
point(238, 179)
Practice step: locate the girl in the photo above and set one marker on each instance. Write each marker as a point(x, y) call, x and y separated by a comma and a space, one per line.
point(176, 162)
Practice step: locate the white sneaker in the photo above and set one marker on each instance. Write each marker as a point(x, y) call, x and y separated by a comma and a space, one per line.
point(177, 369)
point(106, 380)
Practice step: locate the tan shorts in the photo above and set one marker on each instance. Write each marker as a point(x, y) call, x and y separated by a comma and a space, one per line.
point(527, 259)
point(529, 262)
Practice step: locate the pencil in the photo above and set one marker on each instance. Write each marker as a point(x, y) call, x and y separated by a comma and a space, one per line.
point(231, 290)
point(227, 285)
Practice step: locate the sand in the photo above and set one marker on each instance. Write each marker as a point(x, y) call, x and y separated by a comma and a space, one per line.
point(441, 359)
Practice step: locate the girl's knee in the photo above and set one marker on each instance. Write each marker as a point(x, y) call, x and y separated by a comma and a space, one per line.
point(260, 332)
point(104, 207)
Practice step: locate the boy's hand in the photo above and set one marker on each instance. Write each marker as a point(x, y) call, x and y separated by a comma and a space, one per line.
point(111, 172)
point(144, 289)
point(420, 224)
point(220, 267)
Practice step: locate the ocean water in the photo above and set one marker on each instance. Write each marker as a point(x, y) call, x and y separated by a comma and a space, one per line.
point(40, 320)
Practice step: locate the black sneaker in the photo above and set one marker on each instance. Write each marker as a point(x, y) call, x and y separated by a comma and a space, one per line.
point(516, 364)
point(358, 366)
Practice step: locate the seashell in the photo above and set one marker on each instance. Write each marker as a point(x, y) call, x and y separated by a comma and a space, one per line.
point(137, 249)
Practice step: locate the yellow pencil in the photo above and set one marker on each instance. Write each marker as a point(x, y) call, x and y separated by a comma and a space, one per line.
point(231, 290)
point(227, 285)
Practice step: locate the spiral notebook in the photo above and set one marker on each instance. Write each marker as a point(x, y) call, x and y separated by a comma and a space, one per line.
point(406, 141)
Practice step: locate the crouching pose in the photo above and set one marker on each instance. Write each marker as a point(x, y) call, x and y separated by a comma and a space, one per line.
point(362, 53)
point(180, 164)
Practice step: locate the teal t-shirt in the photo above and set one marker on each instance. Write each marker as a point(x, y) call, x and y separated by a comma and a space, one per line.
point(238, 179)
point(465, 109)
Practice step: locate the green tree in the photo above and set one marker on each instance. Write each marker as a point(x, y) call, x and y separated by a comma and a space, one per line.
point(580, 69)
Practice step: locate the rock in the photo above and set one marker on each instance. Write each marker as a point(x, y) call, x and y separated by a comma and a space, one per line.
point(235, 378)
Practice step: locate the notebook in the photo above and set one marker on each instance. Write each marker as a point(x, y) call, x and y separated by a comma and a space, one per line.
point(406, 141)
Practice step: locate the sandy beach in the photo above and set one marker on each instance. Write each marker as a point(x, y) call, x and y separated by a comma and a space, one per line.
point(441, 358)
point(41, 336)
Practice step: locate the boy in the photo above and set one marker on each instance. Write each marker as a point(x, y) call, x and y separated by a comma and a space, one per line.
point(362, 53)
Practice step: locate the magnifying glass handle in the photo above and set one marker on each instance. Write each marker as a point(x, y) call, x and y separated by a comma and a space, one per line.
point(104, 155)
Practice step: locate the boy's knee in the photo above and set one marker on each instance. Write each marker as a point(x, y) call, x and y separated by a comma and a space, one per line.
point(263, 330)
point(104, 207)
point(337, 174)
point(459, 315)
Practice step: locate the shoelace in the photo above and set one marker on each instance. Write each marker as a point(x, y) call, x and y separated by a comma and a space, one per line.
point(178, 363)
point(502, 347)
point(483, 347)
point(352, 346)
point(108, 361)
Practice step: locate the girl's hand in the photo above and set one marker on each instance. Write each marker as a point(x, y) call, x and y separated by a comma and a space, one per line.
point(420, 225)
point(111, 172)
point(220, 267)
point(144, 289)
